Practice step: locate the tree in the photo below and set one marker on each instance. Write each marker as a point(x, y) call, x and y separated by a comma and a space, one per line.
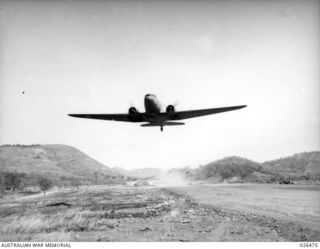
point(44, 184)
point(13, 180)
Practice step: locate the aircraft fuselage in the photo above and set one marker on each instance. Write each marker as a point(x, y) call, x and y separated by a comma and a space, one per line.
point(153, 109)
point(152, 104)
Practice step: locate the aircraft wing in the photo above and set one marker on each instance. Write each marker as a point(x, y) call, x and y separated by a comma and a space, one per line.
point(139, 117)
point(204, 112)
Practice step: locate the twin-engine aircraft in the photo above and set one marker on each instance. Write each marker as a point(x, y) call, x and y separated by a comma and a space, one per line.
point(153, 115)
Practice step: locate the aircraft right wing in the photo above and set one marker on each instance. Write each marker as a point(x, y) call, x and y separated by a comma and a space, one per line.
point(139, 117)
point(198, 113)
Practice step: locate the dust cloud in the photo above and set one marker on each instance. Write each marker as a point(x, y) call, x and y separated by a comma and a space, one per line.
point(170, 178)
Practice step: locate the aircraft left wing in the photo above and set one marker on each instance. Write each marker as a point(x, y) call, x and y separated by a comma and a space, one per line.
point(198, 113)
point(139, 117)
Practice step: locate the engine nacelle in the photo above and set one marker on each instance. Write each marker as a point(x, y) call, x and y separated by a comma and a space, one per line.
point(133, 111)
point(170, 109)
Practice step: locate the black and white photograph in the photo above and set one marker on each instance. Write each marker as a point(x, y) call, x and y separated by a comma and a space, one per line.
point(160, 121)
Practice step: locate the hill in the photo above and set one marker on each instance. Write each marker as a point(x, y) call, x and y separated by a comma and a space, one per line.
point(303, 165)
point(60, 163)
point(232, 168)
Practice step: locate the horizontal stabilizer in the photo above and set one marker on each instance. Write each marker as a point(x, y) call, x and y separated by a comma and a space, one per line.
point(149, 125)
point(174, 123)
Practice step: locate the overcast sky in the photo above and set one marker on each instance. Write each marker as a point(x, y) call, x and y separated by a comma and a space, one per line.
point(103, 56)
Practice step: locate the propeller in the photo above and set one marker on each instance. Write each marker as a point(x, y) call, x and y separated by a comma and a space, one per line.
point(131, 103)
point(175, 104)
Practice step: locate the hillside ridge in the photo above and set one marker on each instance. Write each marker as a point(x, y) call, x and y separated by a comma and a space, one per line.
point(56, 161)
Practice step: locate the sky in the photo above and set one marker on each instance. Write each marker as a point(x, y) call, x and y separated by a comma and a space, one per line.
point(60, 57)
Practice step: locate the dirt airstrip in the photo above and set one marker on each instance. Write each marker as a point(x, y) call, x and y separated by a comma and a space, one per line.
point(189, 213)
